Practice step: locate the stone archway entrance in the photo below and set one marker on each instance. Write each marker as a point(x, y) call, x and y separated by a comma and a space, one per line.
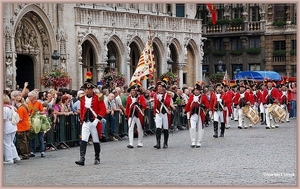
point(25, 71)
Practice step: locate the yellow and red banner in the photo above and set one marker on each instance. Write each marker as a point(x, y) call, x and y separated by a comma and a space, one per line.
point(213, 12)
point(146, 64)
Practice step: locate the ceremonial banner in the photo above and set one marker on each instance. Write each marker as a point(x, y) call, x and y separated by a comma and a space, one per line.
point(146, 64)
point(213, 13)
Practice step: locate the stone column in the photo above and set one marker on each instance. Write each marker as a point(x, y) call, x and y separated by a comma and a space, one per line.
point(128, 72)
point(100, 70)
point(180, 68)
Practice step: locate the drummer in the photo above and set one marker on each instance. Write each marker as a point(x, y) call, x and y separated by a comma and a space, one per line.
point(270, 96)
point(242, 99)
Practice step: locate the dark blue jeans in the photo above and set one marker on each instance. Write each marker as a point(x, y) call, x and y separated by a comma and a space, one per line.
point(32, 143)
point(112, 123)
point(293, 112)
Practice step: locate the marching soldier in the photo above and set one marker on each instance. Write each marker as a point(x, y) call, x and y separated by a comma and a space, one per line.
point(228, 95)
point(217, 105)
point(284, 101)
point(162, 106)
point(195, 108)
point(270, 96)
point(135, 106)
point(242, 99)
point(262, 110)
point(235, 110)
point(92, 110)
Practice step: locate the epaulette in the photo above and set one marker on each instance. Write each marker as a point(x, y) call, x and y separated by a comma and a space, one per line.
point(100, 96)
point(170, 93)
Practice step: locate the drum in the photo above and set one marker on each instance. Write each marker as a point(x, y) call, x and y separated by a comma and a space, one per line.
point(277, 112)
point(251, 114)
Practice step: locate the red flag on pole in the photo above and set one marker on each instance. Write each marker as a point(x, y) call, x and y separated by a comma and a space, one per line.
point(213, 13)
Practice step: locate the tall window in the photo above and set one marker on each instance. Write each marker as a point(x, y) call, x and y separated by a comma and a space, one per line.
point(280, 12)
point(202, 13)
point(237, 10)
point(180, 10)
point(279, 45)
point(236, 44)
point(294, 44)
point(219, 45)
point(254, 12)
point(220, 10)
point(169, 9)
point(254, 42)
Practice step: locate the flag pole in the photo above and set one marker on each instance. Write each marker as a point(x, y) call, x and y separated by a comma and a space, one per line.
point(154, 69)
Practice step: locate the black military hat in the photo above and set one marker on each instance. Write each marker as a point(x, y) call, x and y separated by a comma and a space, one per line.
point(88, 84)
point(163, 82)
point(199, 85)
point(133, 85)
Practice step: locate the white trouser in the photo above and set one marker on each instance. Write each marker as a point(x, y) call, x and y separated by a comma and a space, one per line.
point(196, 130)
point(269, 118)
point(89, 128)
point(9, 148)
point(227, 118)
point(161, 121)
point(219, 115)
point(287, 114)
point(131, 123)
point(235, 114)
point(262, 108)
point(243, 118)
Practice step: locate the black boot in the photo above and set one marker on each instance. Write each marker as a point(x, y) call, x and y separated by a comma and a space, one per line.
point(215, 129)
point(158, 136)
point(166, 137)
point(97, 153)
point(222, 129)
point(83, 145)
point(261, 117)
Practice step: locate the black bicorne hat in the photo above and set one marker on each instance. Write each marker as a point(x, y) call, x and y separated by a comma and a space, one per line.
point(88, 84)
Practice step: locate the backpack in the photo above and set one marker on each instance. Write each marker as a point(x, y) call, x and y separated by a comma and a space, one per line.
point(15, 117)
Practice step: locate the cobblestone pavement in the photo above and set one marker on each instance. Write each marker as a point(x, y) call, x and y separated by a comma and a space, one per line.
point(252, 157)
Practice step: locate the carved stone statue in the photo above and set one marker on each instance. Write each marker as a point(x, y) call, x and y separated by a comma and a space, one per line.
point(9, 68)
point(9, 72)
point(46, 67)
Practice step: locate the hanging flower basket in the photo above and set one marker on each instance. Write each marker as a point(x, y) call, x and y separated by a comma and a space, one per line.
point(55, 78)
point(113, 77)
point(172, 78)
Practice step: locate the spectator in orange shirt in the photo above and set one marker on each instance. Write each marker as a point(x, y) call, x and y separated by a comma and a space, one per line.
point(23, 127)
point(35, 106)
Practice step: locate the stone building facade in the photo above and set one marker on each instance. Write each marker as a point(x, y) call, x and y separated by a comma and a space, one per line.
point(87, 35)
point(251, 36)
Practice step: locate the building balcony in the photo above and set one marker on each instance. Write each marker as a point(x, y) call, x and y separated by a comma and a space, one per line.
point(88, 15)
point(234, 29)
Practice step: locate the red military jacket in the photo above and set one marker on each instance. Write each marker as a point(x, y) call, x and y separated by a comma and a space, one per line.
point(230, 96)
point(167, 102)
point(130, 106)
point(259, 95)
point(213, 100)
point(191, 104)
point(274, 94)
point(251, 97)
point(98, 107)
point(237, 98)
point(283, 97)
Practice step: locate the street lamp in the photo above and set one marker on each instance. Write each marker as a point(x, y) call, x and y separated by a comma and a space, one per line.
point(55, 56)
point(170, 64)
point(112, 62)
point(220, 67)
